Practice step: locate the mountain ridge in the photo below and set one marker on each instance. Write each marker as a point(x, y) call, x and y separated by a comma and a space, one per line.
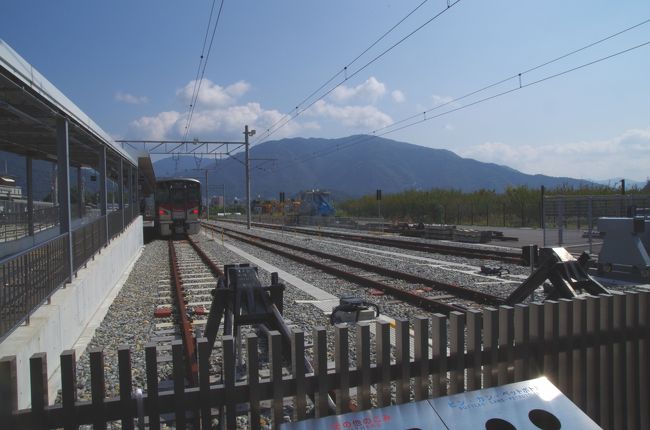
point(355, 166)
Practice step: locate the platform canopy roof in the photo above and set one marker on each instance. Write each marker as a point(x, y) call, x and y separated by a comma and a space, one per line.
point(29, 108)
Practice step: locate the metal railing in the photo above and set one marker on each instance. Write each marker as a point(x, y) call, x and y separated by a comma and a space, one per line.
point(14, 225)
point(29, 278)
point(87, 240)
point(114, 223)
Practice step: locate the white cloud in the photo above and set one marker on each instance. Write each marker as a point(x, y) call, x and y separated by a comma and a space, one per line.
point(398, 96)
point(212, 95)
point(441, 100)
point(223, 122)
point(370, 91)
point(238, 89)
point(130, 98)
point(218, 114)
point(358, 117)
point(625, 155)
point(156, 127)
point(231, 119)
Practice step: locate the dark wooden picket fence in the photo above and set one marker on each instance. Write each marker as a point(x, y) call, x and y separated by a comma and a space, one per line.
point(593, 349)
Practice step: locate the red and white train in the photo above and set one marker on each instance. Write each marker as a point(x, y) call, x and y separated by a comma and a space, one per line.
point(178, 206)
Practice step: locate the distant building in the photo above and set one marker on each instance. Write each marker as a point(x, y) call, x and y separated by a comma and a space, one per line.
point(9, 190)
point(216, 201)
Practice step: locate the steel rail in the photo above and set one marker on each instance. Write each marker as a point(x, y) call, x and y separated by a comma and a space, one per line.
point(192, 367)
point(426, 303)
point(459, 251)
point(206, 259)
point(457, 290)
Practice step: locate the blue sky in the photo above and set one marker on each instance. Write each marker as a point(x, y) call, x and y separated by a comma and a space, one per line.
point(130, 66)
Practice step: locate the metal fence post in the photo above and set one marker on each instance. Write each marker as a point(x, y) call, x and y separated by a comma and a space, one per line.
point(30, 197)
point(63, 177)
point(121, 191)
point(102, 190)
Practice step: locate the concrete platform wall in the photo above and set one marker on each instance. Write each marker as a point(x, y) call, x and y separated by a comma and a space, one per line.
point(75, 311)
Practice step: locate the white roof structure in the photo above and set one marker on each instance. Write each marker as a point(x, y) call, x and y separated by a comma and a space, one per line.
point(23, 72)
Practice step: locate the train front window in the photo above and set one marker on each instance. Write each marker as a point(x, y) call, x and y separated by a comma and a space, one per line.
point(162, 193)
point(178, 193)
point(193, 193)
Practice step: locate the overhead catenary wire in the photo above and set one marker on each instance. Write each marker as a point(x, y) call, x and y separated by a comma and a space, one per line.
point(344, 69)
point(194, 101)
point(299, 110)
point(198, 69)
point(517, 75)
point(389, 129)
point(501, 81)
point(522, 86)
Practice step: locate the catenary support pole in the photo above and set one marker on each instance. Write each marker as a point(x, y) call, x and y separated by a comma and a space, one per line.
point(248, 176)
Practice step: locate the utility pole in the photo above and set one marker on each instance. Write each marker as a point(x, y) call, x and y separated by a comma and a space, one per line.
point(247, 134)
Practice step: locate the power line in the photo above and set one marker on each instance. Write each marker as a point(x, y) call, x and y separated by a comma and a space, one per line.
point(195, 95)
point(298, 110)
point(337, 74)
point(538, 81)
point(364, 138)
point(499, 82)
point(198, 70)
point(515, 76)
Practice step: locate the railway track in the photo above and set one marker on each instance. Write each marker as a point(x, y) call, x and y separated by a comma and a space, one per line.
point(184, 302)
point(435, 248)
point(428, 297)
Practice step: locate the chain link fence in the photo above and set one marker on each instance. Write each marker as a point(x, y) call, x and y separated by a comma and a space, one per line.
point(572, 220)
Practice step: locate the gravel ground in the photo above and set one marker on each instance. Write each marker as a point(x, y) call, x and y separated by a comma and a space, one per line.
point(444, 268)
point(306, 316)
point(128, 322)
point(481, 246)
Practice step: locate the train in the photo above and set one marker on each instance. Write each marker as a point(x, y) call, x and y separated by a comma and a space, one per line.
point(177, 206)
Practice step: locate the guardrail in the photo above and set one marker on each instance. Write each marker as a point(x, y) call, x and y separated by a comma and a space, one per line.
point(14, 225)
point(595, 350)
point(87, 240)
point(30, 278)
point(114, 223)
